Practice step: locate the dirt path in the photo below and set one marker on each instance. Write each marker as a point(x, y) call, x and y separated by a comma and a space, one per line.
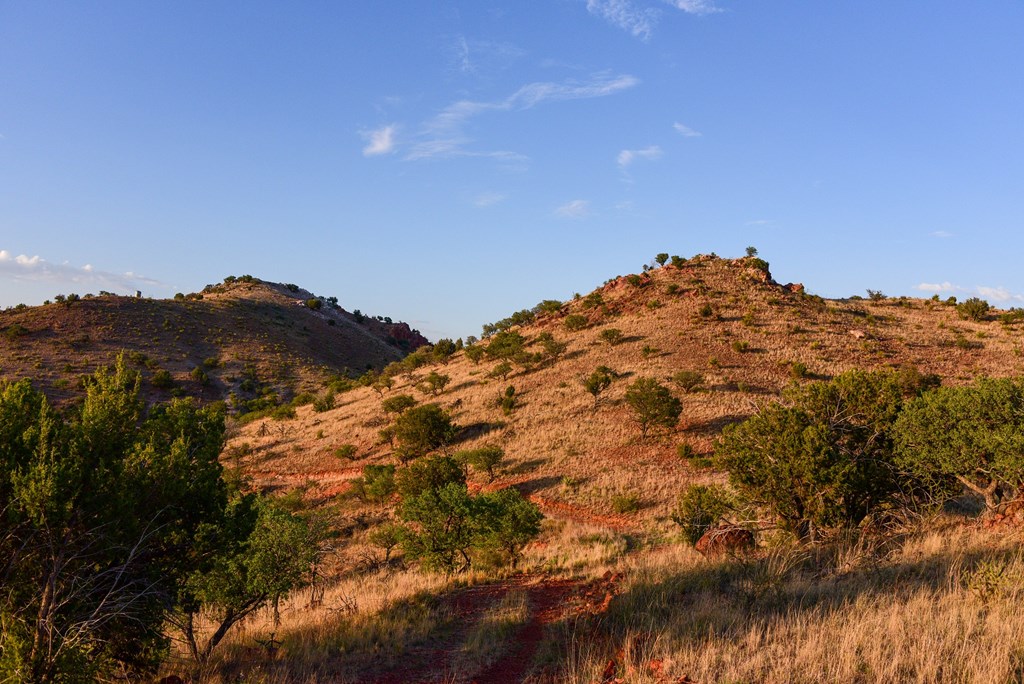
point(547, 604)
point(435, 662)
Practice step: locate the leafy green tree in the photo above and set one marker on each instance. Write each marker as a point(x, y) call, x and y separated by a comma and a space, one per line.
point(102, 509)
point(434, 383)
point(661, 258)
point(506, 345)
point(502, 370)
point(598, 381)
point(474, 353)
point(261, 554)
point(507, 522)
point(549, 306)
point(376, 485)
point(751, 251)
point(973, 437)
point(314, 303)
point(443, 349)
point(653, 404)
point(423, 429)
point(484, 459)
point(823, 457)
point(399, 404)
point(678, 261)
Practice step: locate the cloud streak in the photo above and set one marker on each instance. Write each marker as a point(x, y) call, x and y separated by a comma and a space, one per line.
point(637, 21)
point(698, 7)
point(627, 157)
point(36, 269)
point(685, 130)
point(379, 141)
point(444, 135)
point(576, 209)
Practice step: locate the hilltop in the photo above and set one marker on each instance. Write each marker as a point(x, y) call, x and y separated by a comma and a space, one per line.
point(243, 336)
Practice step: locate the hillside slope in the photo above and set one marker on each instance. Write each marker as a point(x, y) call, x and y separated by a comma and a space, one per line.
point(727, 320)
point(243, 329)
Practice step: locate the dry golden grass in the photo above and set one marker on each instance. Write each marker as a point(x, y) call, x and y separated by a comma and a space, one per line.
point(909, 611)
point(263, 324)
point(941, 607)
point(573, 457)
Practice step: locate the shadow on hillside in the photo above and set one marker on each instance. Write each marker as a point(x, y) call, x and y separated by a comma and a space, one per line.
point(462, 386)
point(480, 429)
point(527, 466)
point(540, 484)
point(715, 425)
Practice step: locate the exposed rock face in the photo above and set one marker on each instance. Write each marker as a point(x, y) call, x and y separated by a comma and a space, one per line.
point(795, 288)
point(725, 540)
point(407, 337)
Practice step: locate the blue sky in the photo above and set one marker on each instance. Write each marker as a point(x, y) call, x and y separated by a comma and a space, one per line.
point(447, 163)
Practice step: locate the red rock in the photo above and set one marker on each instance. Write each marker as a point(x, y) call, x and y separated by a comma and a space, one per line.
point(725, 540)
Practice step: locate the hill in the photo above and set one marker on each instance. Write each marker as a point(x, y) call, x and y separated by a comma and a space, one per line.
point(245, 336)
point(725, 321)
point(607, 592)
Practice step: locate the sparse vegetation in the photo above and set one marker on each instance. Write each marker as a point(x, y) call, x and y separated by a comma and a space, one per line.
point(653, 405)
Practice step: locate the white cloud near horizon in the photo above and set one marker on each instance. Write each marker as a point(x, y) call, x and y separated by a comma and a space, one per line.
point(444, 134)
point(993, 294)
point(760, 222)
point(576, 209)
point(686, 131)
point(941, 234)
point(36, 269)
point(379, 141)
point(637, 21)
point(627, 157)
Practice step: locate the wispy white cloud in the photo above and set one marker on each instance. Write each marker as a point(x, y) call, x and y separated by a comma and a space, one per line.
point(938, 288)
point(760, 222)
point(685, 130)
point(627, 157)
point(444, 135)
point(998, 294)
point(576, 209)
point(34, 268)
point(488, 199)
point(941, 234)
point(379, 141)
point(476, 56)
point(637, 21)
point(699, 7)
point(993, 294)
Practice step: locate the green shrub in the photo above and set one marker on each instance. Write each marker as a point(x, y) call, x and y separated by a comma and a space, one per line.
point(598, 381)
point(707, 311)
point(346, 452)
point(661, 259)
point(627, 502)
point(376, 485)
point(434, 383)
point(611, 336)
point(575, 322)
point(700, 508)
point(507, 401)
point(324, 403)
point(974, 309)
point(740, 346)
point(823, 456)
point(688, 381)
point(314, 304)
point(423, 429)
point(162, 379)
point(593, 300)
point(502, 370)
point(973, 437)
point(398, 404)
